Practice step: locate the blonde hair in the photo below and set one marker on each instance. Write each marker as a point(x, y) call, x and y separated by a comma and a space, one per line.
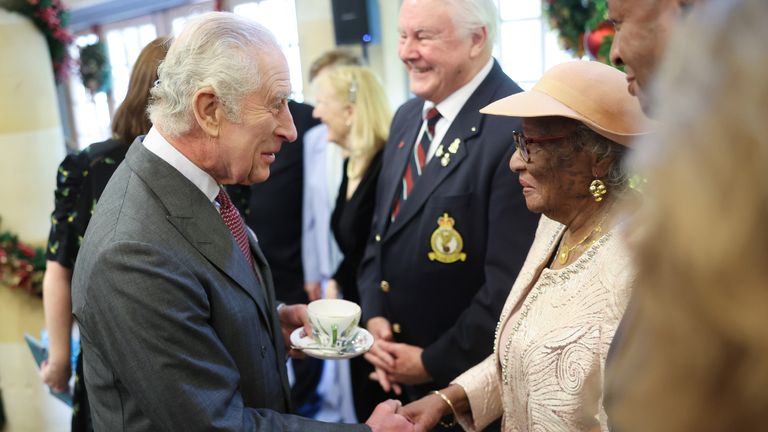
point(357, 86)
point(697, 352)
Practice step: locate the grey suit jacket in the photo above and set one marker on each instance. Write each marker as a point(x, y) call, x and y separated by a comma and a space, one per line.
point(177, 332)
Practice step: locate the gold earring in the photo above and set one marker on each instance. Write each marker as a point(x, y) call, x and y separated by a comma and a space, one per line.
point(597, 189)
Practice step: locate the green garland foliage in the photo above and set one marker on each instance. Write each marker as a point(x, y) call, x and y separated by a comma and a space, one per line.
point(21, 266)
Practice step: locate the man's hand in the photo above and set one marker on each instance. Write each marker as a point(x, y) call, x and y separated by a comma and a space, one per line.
point(408, 367)
point(425, 412)
point(56, 375)
point(292, 317)
point(385, 418)
point(382, 361)
point(313, 290)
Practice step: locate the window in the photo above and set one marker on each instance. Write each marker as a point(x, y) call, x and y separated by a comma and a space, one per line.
point(90, 113)
point(525, 46)
point(279, 16)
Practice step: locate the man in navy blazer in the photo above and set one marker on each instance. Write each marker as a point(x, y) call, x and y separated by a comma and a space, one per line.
point(179, 323)
point(443, 255)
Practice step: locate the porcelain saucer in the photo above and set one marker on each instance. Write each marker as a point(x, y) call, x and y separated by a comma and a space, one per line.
point(360, 343)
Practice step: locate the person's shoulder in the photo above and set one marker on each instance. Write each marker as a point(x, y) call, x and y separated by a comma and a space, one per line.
point(409, 108)
point(505, 85)
point(111, 151)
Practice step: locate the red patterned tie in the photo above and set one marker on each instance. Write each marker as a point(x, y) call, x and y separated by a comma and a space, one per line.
point(417, 160)
point(235, 223)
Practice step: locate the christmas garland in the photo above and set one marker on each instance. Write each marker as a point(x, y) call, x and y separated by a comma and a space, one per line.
point(51, 19)
point(582, 25)
point(21, 266)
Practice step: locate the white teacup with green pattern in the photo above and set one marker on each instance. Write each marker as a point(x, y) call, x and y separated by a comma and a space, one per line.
point(334, 322)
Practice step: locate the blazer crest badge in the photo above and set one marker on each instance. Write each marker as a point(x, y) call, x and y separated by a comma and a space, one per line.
point(446, 242)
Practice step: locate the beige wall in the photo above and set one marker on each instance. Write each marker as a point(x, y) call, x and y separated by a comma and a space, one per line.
point(31, 140)
point(316, 36)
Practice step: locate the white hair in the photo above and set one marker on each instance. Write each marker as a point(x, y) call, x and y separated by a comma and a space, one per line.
point(219, 50)
point(470, 15)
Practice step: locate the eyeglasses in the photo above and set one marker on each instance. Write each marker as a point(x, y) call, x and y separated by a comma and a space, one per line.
point(522, 141)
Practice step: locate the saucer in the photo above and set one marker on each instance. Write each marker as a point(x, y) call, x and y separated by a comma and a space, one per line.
point(361, 343)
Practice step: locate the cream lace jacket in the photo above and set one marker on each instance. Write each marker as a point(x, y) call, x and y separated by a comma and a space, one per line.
point(546, 371)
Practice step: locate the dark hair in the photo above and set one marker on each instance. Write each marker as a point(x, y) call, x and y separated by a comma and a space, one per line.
point(131, 119)
point(337, 57)
point(603, 148)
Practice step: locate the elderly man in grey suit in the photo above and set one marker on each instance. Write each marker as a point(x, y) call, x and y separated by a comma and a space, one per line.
point(179, 323)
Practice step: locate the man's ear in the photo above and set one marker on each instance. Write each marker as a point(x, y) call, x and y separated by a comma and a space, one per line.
point(479, 38)
point(208, 112)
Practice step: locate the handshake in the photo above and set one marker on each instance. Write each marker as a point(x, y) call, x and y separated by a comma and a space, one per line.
point(419, 416)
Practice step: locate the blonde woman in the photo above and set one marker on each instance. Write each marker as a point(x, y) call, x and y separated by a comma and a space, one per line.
point(695, 357)
point(352, 104)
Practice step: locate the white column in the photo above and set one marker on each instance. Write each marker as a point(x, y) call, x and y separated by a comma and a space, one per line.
point(31, 139)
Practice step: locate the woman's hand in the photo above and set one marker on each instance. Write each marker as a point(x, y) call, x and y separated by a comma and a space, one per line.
point(56, 375)
point(332, 289)
point(425, 412)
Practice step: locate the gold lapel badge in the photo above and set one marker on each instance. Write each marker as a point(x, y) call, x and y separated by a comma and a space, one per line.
point(446, 242)
point(445, 156)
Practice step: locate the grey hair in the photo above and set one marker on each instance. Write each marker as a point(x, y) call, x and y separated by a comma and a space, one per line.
point(617, 177)
point(217, 50)
point(469, 15)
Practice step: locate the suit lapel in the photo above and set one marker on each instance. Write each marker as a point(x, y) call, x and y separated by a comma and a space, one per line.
point(197, 220)
point(402, 153)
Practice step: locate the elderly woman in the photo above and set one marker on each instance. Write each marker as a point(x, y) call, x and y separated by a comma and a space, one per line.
point(352, 103)
point(563, 309)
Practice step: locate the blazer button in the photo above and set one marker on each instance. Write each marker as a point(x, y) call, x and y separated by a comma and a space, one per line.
point(385, 286)
point(396, 328)
point(263, 351)
point(378, 237)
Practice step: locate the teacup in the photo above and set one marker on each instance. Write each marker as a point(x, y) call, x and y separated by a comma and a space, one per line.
point(333, 321)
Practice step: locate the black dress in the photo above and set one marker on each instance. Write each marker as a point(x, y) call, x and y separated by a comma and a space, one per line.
point(351, 225)
point(80, 180)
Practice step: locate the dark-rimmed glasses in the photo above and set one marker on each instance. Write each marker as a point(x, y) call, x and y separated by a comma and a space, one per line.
point(522, 141)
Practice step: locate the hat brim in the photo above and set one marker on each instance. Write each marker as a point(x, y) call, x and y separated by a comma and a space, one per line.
point(534, 103)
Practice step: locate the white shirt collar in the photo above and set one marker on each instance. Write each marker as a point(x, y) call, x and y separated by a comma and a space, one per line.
point(449, 108)
point(158, 145)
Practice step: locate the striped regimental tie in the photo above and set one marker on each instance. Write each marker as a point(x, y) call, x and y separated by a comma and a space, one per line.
point(417, 160)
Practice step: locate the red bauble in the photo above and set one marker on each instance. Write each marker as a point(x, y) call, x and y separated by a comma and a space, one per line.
point(594, 38)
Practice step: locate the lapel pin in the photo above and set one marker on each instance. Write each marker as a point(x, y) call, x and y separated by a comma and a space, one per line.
point(401, 145)
point(474, 129)
point(454, 147)
point(445, 160)
point(440, 151)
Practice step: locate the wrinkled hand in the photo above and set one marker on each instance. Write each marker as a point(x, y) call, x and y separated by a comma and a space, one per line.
point(292, 317)
point(425, 412)
point(332, 289)
point(382, 361)
point(385, 418)
point(408, 367)
point(56, 375)
point(313, 290)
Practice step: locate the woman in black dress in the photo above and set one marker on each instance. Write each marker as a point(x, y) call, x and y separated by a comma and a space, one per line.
point(80, 180)
point(352, 103)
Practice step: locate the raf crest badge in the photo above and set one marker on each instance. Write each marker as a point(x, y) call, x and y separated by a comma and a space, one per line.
point(446, 242)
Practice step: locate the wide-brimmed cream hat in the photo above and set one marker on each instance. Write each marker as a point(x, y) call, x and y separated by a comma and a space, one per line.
point(590, 92)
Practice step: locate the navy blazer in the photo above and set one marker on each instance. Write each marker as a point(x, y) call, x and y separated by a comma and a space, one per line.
point(449, 309)
point(178, 333)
